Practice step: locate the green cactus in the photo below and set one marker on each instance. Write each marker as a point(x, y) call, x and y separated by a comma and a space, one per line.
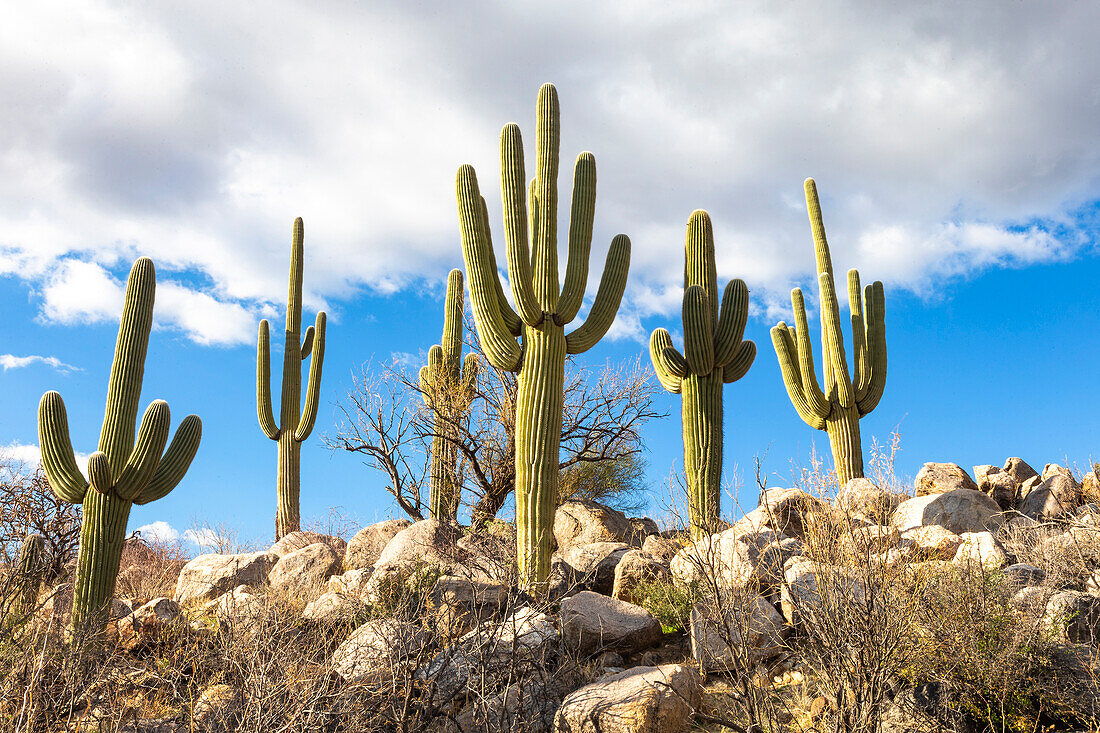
point(539, 355)
point(846, 399)
point(30, 565)
point(447, 389)
point(714, 355)
point(122, 472)
point(297, 421)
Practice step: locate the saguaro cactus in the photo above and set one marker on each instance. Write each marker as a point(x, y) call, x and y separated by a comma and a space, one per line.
point(295, 422)
point(539, 356)
point(29, 567)
point(714, 355)
point(122, 472)
point(447, 388)
point(846, 399)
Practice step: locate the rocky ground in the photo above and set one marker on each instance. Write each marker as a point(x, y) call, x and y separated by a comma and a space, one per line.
point(808, 613)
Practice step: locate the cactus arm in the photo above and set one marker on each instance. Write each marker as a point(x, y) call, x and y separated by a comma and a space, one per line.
point(580, 238)
point(731, 322)
point(294, 296)
point(142, 464)
point(452, 318)
point(739, 365)
point(533, 216)
point(837, 380)
point(425, 382)
point(860, 370)
point(124, 389)
point(66, 480)
point(99, 473)
point(699, 265)
point(498, 342)
point(815, 398)
point(821, 244)
point(658, 342)
point(547, 142)
point(511, 319)
point(698, 331)
point(263, 382)
point(175, 461)
point(785, 350)
point(875, 306)
point(307, 342)
point(313, 389)
point(512, 189)
point(608, 297)
point(470, 368)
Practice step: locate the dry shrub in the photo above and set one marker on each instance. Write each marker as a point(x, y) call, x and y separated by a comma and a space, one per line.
point(149, 568)
point(29, 506)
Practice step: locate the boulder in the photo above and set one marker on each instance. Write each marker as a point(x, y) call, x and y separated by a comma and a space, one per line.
point(1092, 584)
point(940, 478)
point(375, 648)
point(1025, 489)
point(367, 544)
point(661, 547)
point(641, 528)
point(811, 589)
point(1059, 495)
point(1031, 599)
point(1090, 485)
point(640, 700)
point(792, 512)
point(526, 631)
point(591, 622)
point(739, 557)
point(1021, 575)
point(595, 563)
point(333, 607)
point(862, 499)
point(1018, 469)
point(528, 705)
point(217, 708)
point(1074, 616)
point(301, 574)
point(299, 539)
point(997, 484)
point(459, 603)
point(238, 607)
point(635, 571)
point(352, 582)
point(427, 542)
point(961, 510)
point(932, 542)
point(870, 540)
point(209, 576)
point(150, 624)
point(738, 633)
point(584, 522)
point(980, 550)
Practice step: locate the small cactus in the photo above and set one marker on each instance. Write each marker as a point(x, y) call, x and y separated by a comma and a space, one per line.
point(845, 399)
point(447, 388)
point(123, 472)
point(30, 565)
point(544, 309)
point(714, 355)
point(296, 422)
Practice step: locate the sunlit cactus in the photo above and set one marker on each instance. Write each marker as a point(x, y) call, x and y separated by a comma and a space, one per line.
point(29, 568)
point(123, 471)
point(845, 399)
point(295, 422)
point(447, 384)
point(714, 355)
point(544, 308)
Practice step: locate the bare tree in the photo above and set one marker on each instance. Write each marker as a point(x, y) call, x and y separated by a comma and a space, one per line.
point(29, 506)
point(385, 419)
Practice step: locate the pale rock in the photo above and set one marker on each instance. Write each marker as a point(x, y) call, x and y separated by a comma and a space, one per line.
point(1074, 617)
point(591, 622)
point(861, 498)
point(367, 544)
point(333, 607)
point(595, 563)
point(635, 571)
point(376, 648)
point(301, 574)
point(584, 522)
point(961, 510)
point(980, 550)
point(209, 576)
point(940, 478)
point(996, 483)
point(299, 539)
point(640, 700)
point(738, 633)
point(1019, 470)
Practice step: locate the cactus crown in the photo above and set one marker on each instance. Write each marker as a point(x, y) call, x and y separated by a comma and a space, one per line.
point(530, 230)
point(445, 370)
point(132, 470)
point(712, 335)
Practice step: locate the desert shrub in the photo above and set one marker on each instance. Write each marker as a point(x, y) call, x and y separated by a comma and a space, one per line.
point(670, 603)
point(28, 506)
point(149, 568)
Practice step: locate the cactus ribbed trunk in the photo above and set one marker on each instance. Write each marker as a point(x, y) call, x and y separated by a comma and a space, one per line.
point(842, 425)
point(102, 535)
point(287, 489)
point(443, 496)
point(538, 440)
point(702, 418)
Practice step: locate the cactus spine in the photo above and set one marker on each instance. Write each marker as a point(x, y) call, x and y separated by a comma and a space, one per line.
point(845, 399)
point(447, 385)
point(539, 356)
point(296, 422)
point(714, 355)
point(122, 472)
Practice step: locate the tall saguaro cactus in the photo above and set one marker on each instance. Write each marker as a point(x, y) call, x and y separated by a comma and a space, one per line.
point(295, 422)
point(447, 384)
point(122, 472)
point(543, 310)
point(714, 355)
point(845, 399)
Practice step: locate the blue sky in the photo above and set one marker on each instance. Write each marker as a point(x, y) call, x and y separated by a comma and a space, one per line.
point(955, 150)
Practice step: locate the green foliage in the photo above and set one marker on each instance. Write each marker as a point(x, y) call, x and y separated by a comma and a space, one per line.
point(618, 482)
point(295, 422)
point(670, 603)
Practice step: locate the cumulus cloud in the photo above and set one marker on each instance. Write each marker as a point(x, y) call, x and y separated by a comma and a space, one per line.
point(10, 361)
point(940, 148)
point(31, 454)
point(161, 531)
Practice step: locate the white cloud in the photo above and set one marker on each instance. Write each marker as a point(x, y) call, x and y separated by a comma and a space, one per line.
point(159, 531)
point(940, 147)
point(202, 537)
point(10, 361)
point(31, 454)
